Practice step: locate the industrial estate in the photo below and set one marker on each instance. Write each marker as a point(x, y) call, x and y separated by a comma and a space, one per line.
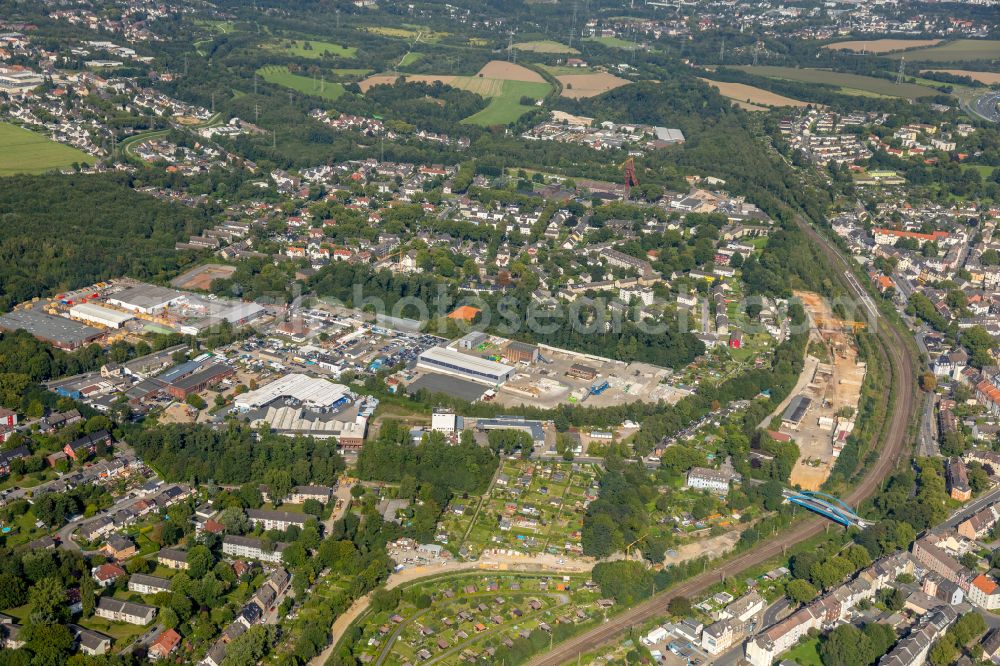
point(340, 332)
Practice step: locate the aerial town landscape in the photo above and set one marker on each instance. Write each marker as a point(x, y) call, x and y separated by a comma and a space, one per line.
point(515, 332)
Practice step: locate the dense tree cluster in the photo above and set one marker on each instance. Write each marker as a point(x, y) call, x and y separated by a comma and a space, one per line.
point(63, 232)
point(235, 454)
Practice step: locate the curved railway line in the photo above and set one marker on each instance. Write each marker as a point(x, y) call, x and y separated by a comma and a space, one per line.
point(899, 363)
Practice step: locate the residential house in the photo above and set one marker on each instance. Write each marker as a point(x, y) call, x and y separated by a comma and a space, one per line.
point(144, 584)
point(251, 548)
point(173, 558)
point(980, 523)
point(106, 574)
point(958, 480)
point(125, 611)
point(276, 520)
point(914, 648)
point(714, 480)
point(119, 547)
point(89, 642)
point(302, 493)
point(984, 592)
point(86, 445)
point(164, 644)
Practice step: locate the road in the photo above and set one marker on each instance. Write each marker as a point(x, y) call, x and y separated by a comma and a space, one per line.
point(734, 655)
point(900, 365)
point(985, 106)
point(971, 508)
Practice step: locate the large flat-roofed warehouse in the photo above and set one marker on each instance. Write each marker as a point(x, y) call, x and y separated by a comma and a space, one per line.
point(146, 299)
point(471, 367)
point(312, 392)
point(58, 331)
point(97, 314)
point(199, 381)
point(795, 411)
point(534, 428)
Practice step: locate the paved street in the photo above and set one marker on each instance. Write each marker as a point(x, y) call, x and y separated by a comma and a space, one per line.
point(985, 106)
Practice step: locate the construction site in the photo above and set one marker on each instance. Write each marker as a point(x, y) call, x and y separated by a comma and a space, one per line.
point(819, 414)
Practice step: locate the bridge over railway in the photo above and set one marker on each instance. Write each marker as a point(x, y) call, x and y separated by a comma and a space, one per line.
point(828, 506)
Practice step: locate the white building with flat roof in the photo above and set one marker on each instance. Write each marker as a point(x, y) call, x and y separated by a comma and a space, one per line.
point(453, 362)
point(98, 314)
point(146, 299)
point(445, 422)
point(312, 392)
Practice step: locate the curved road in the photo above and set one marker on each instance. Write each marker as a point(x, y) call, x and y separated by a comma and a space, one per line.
point(985, 106)
point(901, 366)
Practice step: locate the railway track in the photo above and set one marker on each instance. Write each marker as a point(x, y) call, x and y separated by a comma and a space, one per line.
point(899, 363)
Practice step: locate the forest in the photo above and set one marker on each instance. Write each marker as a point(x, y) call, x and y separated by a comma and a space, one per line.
point(235, 455)
point(63, 232)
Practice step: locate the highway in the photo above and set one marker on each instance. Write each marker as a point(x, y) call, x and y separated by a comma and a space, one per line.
point(985, 106)
point(900, 364)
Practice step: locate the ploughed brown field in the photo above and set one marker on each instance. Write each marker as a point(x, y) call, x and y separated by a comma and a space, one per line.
point(989, 78)
point(589, 85)
point(743, 94)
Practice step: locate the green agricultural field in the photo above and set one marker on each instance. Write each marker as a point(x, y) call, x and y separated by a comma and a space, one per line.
point(408, 32)
point(410, 58)
point(351, 72)
point(615, 43)
point(848, 83)
point(506, 107)
point(545, 46)
point(309, 48)
point(24, 151)
point(958, 50)
point(304, 84)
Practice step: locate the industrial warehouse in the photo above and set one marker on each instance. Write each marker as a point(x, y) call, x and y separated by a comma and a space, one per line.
point(299, 404)
point(312, 392)
point(125, 309)
point(467, 366)
point(96, 314)
point(58, 331)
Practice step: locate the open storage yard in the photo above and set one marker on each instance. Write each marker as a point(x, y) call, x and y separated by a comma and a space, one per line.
point(740, 92)
point(201, 277)
point(24, 151)
point(881, 45)
point(849, 84)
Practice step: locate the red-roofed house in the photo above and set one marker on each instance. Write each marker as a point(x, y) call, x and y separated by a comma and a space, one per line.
point(165, 643)
point(891, 236)
point(106, 574)
point(984, 592)
point(213, 526)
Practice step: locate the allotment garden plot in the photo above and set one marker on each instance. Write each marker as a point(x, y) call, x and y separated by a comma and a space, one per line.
point(533, 507)
point(461, 619)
